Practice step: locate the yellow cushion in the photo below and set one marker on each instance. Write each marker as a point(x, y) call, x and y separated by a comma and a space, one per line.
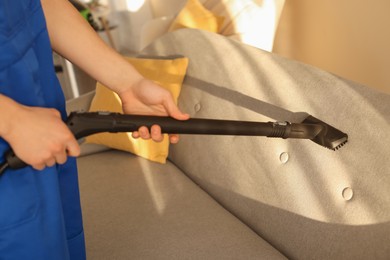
point(195, 15)
point(169, 73)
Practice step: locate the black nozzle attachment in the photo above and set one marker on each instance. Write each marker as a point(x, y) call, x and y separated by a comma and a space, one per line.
point(330, 137)
point(292, 130)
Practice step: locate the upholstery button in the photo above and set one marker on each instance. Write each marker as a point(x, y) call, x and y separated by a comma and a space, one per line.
point(347, 193)
point(197, 107)
point(284, 157)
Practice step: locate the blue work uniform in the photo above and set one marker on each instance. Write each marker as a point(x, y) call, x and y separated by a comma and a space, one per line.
point(40, 214)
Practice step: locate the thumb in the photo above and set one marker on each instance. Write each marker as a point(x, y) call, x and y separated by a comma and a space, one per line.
point(174, 111)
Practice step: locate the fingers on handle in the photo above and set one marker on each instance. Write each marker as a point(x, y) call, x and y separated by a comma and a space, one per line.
point(156, 134)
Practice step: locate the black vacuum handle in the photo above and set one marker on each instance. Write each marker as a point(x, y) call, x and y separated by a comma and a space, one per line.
point(84, 124)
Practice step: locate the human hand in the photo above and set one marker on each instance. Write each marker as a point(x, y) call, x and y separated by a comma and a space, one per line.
point(147, 98)
point(39, 137)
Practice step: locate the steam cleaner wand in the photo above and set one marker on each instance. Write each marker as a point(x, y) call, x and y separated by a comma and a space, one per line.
point(84, 124)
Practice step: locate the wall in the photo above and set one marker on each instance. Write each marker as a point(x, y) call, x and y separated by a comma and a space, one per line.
point(350, 38)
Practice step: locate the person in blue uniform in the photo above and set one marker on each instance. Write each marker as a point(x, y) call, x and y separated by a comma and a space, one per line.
point(40, 214)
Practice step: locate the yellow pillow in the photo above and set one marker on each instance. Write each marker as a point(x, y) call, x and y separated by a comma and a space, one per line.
point(195, 15)
point(169, 73)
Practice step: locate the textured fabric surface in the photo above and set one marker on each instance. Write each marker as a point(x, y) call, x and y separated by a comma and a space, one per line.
point(136, 209)
point(307, 201)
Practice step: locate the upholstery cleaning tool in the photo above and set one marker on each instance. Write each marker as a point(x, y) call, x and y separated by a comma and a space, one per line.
point(83, 124)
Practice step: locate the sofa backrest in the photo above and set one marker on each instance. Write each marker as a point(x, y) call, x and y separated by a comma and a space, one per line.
point(307, 201)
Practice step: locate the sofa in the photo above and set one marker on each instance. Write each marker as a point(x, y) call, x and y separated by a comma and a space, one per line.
point(234, 197)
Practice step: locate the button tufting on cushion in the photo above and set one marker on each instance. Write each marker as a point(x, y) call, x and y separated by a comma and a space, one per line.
point(197, 107)
point(284, 157)
point(347, 193)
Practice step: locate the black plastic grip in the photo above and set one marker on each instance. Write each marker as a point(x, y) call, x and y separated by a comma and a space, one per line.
point(13, 161)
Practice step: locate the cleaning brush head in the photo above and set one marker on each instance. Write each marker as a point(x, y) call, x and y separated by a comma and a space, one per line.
point(329, 137)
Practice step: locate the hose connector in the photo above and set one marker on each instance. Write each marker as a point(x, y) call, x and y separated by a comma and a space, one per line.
point(280, 130)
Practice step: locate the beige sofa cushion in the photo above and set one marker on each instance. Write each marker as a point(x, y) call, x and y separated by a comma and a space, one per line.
point(136, 209)
point(308, 201)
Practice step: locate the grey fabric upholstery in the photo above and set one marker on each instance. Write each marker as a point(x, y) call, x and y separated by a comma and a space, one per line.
point(319, 204)
point(135, 209)
point(307, 202)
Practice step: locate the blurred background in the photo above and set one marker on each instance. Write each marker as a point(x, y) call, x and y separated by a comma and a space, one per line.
point(350, 38)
